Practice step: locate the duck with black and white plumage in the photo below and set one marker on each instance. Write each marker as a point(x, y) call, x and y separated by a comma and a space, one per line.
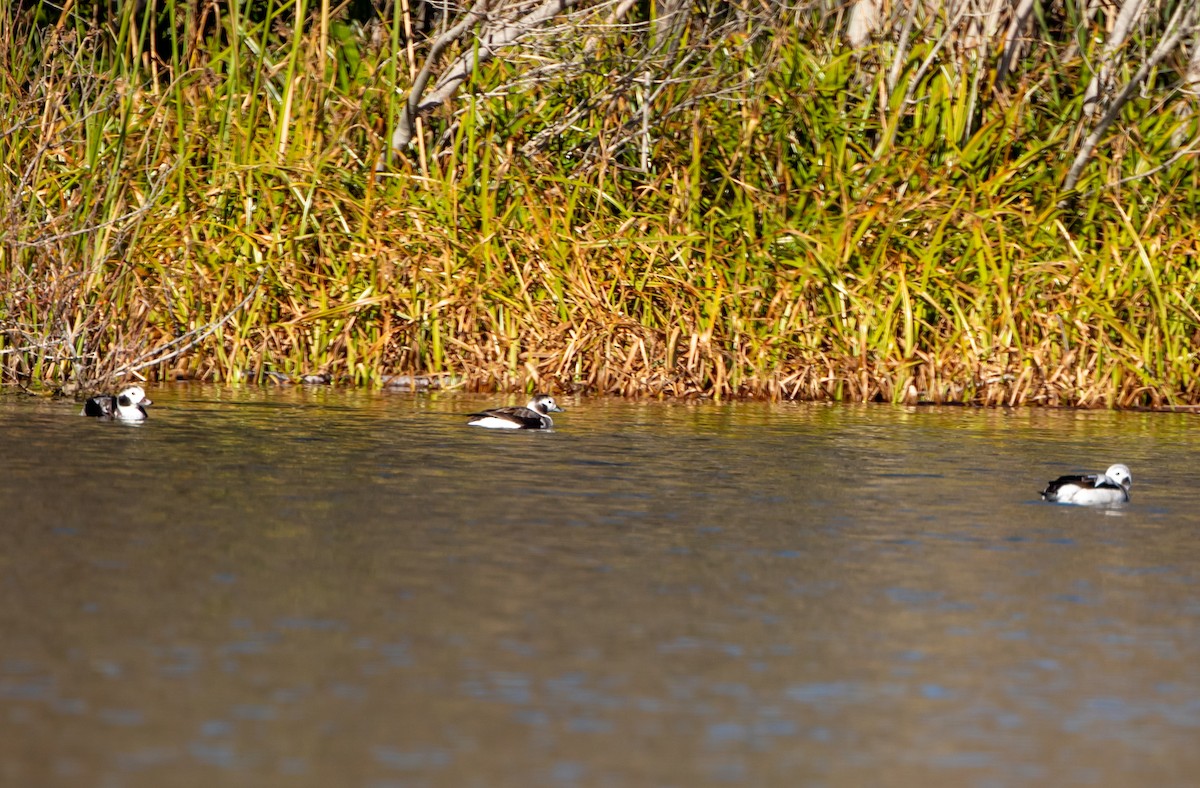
point(129, 405)
point(534, 416)
point(1109, 487)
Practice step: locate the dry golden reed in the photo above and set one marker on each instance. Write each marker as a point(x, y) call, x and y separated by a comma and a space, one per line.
point(218, 215)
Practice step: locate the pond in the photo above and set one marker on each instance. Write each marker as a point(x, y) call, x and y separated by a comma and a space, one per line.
point(320, 587)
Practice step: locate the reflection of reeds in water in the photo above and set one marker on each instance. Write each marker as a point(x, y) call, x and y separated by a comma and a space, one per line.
point(228, 225)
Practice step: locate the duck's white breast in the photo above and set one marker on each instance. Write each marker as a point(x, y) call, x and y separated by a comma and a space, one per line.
point(1071, 493)
point(130, 413)
point(494, 423)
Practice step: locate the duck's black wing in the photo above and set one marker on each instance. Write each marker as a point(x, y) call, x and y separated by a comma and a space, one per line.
point(1084, 481)
point(528, 419)
point(102, 406)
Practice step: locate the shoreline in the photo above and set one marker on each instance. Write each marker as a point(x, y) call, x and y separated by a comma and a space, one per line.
point(437, 385)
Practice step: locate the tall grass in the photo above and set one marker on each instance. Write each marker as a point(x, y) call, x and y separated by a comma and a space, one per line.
point(213, 212)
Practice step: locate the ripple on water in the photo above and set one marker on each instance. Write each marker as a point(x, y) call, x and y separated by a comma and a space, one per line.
point(683, 594)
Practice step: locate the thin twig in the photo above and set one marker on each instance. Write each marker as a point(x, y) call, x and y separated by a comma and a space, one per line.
point(1181, 24)
point(192, 338)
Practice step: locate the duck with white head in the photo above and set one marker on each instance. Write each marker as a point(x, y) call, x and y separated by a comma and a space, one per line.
point(129, 405)
point(1109, 487)
point(534, 416)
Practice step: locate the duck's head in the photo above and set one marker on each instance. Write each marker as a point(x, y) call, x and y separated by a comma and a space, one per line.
point(132, 397)
point(1119, 474)
point(544, 403)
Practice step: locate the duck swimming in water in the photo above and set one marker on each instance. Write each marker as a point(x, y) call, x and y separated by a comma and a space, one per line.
point(129, 405)
point(533, 416)
point(1112, 486)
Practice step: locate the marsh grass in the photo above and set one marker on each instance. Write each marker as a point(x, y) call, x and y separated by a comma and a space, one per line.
point(214, 213)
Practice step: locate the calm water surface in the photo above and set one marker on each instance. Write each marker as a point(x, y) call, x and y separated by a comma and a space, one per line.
point(321, 588)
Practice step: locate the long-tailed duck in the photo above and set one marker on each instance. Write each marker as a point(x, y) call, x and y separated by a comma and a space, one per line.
point(1112, 486)
point(531, 417)
point(129, 405)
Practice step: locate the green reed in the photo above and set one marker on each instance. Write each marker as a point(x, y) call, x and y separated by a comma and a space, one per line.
point(214, 212)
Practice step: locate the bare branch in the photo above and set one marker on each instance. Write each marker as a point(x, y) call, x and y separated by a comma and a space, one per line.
point(1130, 11)
point(901, 48)
point(1012, 39)
point(1191, 89)
point(181, 344)
point(864, 21)
point(460, 71)
point(1191, 149)
point(1182, 23)
point(407, 124)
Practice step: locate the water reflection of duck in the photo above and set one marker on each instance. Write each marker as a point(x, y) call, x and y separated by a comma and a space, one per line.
point(531, 417)
point(129, 405)
point(1112, 486)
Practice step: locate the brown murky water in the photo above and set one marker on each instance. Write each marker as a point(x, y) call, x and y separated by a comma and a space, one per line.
point(281, 588)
